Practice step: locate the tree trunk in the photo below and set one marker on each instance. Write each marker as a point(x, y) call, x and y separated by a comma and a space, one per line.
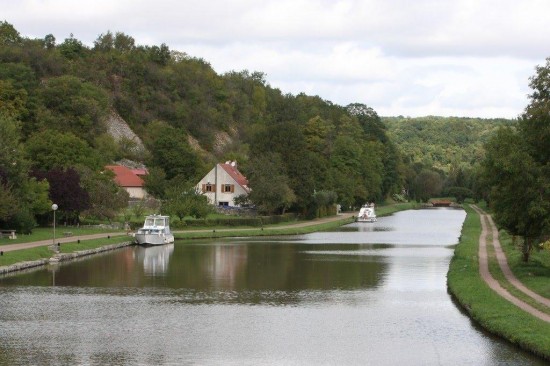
point(526, 249)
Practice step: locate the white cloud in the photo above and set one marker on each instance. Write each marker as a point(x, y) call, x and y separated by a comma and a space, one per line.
point(462, 57)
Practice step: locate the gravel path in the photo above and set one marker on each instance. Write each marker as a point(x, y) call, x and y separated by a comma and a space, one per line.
point(486, 224)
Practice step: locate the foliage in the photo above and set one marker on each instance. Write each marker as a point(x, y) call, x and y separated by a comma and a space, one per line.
point(73, 105)
point(182, 199)
point(174, 155)
point(271, 193)
point(106, 198)
point(66, 192)
point(516, 170)
point(189, 118)
point(155, 182)
point(52, 149)
point(426, 185)
point(459, 193)
point(493, 312)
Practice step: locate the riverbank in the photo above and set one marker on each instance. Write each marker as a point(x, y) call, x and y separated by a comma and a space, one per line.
point(485, 306)
point(24, 255)
point(298, 228)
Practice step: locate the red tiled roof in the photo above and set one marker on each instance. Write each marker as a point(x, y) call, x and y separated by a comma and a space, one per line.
point(235, 174)
point(140, 172)
point(124, 177)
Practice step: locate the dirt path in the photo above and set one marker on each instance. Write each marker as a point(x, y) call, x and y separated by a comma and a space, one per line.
point(486, 222)
point(34, 244)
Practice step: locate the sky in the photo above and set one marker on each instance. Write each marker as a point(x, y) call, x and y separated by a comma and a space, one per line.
point(465, 58)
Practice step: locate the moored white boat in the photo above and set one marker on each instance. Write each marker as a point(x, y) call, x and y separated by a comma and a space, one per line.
point(366, 213)
point(155, 231)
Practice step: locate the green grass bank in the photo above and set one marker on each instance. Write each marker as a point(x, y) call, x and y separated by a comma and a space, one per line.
point(44, 252)
point(486, 307)
point(293, 228)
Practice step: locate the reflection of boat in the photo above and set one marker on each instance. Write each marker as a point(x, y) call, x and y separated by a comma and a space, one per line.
point(155, 259)
point(366, 213)
point(155, 231)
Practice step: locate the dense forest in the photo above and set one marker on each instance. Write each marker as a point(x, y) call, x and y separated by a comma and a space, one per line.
point(300, 153)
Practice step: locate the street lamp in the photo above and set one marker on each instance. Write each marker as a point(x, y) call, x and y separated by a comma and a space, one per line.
point(54, 208)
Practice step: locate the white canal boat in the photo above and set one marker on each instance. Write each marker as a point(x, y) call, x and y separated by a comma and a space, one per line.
point(366, 213)
point(155, 231)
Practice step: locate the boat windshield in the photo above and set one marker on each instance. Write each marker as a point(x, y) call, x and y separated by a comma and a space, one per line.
point(155, 221)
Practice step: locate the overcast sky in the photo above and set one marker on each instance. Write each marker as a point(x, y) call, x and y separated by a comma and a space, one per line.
point(470, 58)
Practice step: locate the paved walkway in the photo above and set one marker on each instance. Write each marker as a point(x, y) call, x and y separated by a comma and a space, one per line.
point(486, 223)
point(34, 244)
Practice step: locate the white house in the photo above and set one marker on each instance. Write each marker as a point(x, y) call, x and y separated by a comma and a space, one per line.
point(223, 183)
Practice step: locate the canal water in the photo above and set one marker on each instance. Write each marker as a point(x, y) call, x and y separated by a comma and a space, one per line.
point(367, 294)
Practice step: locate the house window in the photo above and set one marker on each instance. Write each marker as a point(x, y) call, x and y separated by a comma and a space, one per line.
point(208, 187)
point(228, 188)
point(225, 204)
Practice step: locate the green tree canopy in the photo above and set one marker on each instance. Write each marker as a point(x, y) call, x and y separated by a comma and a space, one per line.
point(50, 149)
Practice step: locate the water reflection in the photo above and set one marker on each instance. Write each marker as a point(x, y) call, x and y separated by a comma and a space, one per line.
point(349, 297)
point(155, 258)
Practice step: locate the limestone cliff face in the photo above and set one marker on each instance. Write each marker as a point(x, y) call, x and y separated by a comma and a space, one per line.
point(119, 129)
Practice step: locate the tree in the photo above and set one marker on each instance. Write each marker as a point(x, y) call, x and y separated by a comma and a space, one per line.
point(155, 182)
point(9, 202)
point(66, 192)
point(49, 149)
point(427, 185)
point(518, 187)
point(172, 153)
point(106, 197)
point(270, 189)
point(182, 199)
point(49, 41)
point(72, 48)
point(72, 105)
point(516, 169)
point(9, 36)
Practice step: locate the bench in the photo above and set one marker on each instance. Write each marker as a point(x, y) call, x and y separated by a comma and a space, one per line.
point(67, 234)
point(10, 233)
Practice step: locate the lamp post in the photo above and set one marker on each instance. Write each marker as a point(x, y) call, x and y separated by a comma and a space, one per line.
point(54, 208)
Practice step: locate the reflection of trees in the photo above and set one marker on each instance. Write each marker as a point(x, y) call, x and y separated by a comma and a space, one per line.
point(254, 270)
point(277, 267)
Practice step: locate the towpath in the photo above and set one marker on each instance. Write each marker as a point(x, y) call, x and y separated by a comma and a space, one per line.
point(34, 244)
point(489, 228)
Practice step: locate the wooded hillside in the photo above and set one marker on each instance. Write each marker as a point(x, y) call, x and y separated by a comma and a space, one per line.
point(299, 152)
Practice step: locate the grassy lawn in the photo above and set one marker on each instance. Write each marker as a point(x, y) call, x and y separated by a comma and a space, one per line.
point(266, 231)
point(25, 255)
point(44, 252)
point(42, 233)
point(495, 270)
point(386, 210)
point(487, 308)
point(534, 274)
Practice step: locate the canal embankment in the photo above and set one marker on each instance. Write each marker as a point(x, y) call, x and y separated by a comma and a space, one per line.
point(486, 306)
point(17, 257)
point(57, 256)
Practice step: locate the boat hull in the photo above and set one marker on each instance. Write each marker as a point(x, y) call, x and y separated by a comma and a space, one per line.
point(370, 219)
point(154, 239)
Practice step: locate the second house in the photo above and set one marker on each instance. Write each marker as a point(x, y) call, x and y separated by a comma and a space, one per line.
point(223, 183)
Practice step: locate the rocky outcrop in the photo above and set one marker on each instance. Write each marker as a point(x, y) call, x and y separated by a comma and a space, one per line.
point(119, 129)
